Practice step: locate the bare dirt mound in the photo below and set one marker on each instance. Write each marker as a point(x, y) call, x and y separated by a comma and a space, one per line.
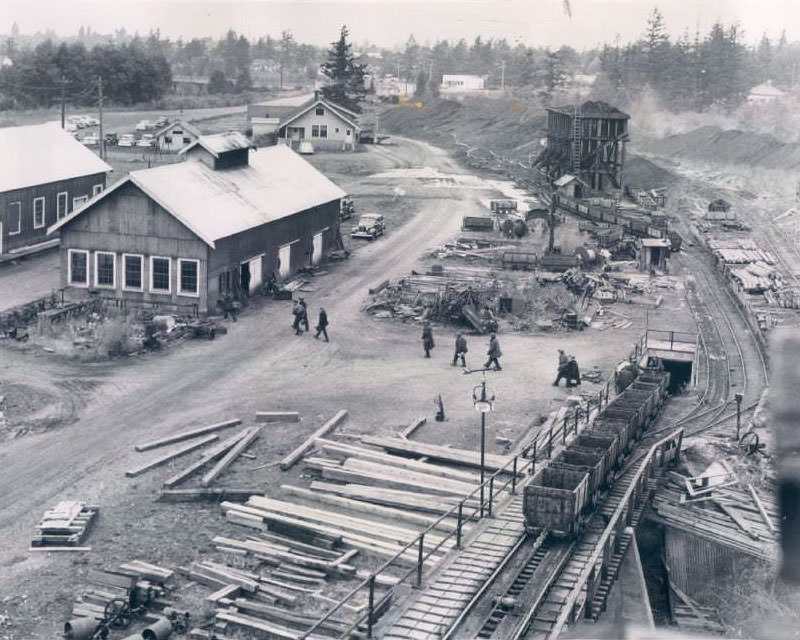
point(640, 173)
point(731, 146)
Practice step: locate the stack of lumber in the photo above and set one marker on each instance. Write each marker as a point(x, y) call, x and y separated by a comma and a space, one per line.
point(692, 617)
point(736, 517)
point(64, 527)
point(451, 455)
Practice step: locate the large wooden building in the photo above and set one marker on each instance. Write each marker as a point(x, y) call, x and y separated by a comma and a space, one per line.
point(46, 174)
point(191, 233)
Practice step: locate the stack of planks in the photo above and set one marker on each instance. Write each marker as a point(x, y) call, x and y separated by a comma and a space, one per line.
point(64, 527)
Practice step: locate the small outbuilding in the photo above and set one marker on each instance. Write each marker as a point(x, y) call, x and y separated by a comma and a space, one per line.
point(570, 186)
point(719, 209)
point(455, 83)
point(653, 253)
point(174, 137)
point(189, 234)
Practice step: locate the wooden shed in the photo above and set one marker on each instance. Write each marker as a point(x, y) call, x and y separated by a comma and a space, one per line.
point(192, 233)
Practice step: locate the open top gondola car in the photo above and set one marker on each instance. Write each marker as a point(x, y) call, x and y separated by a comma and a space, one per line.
point(556, 500)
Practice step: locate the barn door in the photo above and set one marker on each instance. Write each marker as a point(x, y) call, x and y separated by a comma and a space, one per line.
point(255, 274)
point(285, 261)
point(316, 254)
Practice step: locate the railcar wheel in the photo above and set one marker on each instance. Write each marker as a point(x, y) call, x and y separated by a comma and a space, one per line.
point(118, 614)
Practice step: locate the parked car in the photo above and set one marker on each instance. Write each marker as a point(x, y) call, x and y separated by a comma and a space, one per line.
point(91, 121)
point(111, 138)
point(143, 125)
point(91, 139)
point(76, 121)
point(127, 140)
point(70, 127)
point(370, 226)
point(147, 140)
point(346, 208)
point(161, 121)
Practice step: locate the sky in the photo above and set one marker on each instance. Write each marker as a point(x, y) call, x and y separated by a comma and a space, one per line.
point(388, 23)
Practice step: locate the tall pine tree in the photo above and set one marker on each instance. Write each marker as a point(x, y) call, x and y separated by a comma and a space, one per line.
point(347, 76)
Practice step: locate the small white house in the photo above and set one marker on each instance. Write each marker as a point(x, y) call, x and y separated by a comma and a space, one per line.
point(462, 82)
point(176, 136)
point(765, 93)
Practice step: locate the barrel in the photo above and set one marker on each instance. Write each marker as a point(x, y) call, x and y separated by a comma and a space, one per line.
point(159, 630)
point(80, 628)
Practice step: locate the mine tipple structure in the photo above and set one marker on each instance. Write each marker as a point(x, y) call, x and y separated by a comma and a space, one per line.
point(587, 141)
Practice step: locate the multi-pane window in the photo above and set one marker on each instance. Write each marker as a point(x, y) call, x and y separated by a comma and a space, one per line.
point(188, 272)
point(132, 265)
point(167, 139)
point(320, 111)
point(14, 217)
point(96, 189)
point(105, 269)
point(319, 131)
point(61, 204)
point(78, 202)
point(38, 213)
point(78, 267)
point(159, 275)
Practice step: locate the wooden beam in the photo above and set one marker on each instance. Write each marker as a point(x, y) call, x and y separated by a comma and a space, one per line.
point(197, 495)
point(208, 456)
point(231, 591)
point(463, 457)
point(406, 433)
point(277, 416)
point(168, 457)
point(298, 453)
point(761, 508)
point(737, 519)
point(229, 457)
point(186, 435)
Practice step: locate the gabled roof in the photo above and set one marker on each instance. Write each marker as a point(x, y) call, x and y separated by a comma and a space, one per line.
point(276, 183)
point(345, 114)
point(289, 101)
point(220, 143)
point(183, 125)
point(43, 153)
point(565, 180)
point(592, 109)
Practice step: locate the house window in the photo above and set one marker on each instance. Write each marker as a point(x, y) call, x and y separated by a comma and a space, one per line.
point(96, 189)
point(132, 266)
point(187, 140)
point(347, 132)
point(14, 218)
point(38, 213)
point(105, 270)
point(78, 267)
point(336, 130)
point(79, 201)
point(159, 275)
point(61, 205)
point(319, 131)
point(320, 111)
point(177, 132)
point(188, 271)
point(167, 139)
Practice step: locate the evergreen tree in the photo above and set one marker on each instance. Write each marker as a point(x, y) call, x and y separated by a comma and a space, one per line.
point(554, 77)
point(347, 77)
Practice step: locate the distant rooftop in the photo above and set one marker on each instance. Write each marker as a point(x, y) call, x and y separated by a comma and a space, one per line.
point(221, 142)
point(592, 109)
point(289, 101)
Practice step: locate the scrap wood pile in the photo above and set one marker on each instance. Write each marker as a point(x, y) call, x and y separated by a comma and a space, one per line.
point(64, 527)
point(717, 507)
point(473, 249)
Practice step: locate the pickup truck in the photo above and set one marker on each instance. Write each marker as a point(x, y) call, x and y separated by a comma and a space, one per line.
point(370, 226)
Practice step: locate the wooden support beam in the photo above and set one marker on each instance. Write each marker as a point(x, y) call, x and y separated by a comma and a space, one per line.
point(300, 451)
point(186, 435)
point(207, 494)
point(406, 433)
point(229, 457)
point(212, 454)
point(168, 457)
point(731, 513)
point(277, 416)
point(463, 457)
point(761, 508)
point(231, 591)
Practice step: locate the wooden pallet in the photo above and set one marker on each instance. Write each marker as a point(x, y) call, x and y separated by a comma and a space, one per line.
point(66, 525)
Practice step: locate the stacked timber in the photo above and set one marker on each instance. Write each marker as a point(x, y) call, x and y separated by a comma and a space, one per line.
point(65, 526)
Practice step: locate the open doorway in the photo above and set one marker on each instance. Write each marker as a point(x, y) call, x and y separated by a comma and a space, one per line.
point(680, 374)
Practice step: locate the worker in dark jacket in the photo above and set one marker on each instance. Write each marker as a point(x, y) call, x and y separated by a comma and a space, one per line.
point(297, 312)
point(304, 313)
point(623, 380)
point(573, 373)
point(322, 323)
point(494, 353)
point(461, 350)
point(562, 367)
point(427, 338)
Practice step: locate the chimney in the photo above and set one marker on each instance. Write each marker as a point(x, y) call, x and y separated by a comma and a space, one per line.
point(317, 94)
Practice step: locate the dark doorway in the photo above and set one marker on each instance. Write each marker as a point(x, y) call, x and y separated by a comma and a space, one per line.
point(244, 278)
point(680, 374)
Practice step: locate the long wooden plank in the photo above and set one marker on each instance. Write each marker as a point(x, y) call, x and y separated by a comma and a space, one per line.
point(210, 455)
point(229, 457)
point(422, 502)
point(381, 480)
point(300, 451)
point(761, 508)
point(419, 477)
point(463, 457)
point(272, 629)
point(208, 494)
point(186, 435)
point(731, 513)
point(277, 416)
point(168, 457)
point(406, 433)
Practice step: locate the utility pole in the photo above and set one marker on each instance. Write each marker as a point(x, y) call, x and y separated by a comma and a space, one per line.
point(100, 109)
point(502, 75)
point(63, 98)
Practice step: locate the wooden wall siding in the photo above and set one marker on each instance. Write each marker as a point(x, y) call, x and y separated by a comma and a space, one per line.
point(75, 187)
point(695, 563)
point(335, 140)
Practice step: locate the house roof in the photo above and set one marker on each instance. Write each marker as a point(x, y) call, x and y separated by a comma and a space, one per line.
point(276, 183)
point(289, 101)
point(344, 114)
point(220, 143)
point(564, 180)
point(766, 89)
point(592, 109)
point(43, 153)
point(184, 125)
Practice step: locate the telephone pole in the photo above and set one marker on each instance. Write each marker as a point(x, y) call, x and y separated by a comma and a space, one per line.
point(100, 109)
point(63, 98)
point(502, 75)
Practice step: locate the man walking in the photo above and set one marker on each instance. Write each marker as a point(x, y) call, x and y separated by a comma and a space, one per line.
point(573, 373)
point(304, 313)
point(494, 353)
point(461, 350)
point(427, 338)
point(322, 323)
point(297, 312)
point(562, 367)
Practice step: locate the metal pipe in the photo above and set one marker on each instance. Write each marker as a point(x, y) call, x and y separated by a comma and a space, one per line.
point(419, 560)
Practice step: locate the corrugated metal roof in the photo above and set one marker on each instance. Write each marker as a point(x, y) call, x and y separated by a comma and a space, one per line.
point(221, 142)
point(43, 153)
point(564, 180)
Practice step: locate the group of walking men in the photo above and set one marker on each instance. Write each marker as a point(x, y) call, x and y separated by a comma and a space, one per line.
point(461, 349)
point(300, 313)
point(567, 369)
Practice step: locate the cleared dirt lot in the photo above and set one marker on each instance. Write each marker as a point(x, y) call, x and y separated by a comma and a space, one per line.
point(373, 368)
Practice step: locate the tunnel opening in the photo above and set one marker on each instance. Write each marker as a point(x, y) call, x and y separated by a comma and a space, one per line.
point(680, 375)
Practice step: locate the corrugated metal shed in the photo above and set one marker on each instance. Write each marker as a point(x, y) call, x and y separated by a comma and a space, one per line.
point(43, 153)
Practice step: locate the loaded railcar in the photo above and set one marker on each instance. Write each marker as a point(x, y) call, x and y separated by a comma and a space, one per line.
point(608, 444)
point(623, 429)
point(598, 457)
point(555, 501)
point(592, 465)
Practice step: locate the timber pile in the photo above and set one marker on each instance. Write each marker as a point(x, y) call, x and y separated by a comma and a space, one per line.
point(64, 527)
point(732, 516)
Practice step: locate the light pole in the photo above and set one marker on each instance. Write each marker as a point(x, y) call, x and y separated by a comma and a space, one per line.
point(739, 397)
point(483, 403)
